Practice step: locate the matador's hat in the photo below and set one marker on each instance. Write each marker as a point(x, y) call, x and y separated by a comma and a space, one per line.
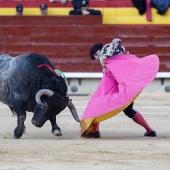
point(94, 49)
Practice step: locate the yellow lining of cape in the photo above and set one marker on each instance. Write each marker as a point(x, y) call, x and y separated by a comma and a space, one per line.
point(87, 124)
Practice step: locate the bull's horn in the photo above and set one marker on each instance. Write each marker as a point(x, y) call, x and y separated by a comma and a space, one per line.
point(42, 92)
point(73, 111)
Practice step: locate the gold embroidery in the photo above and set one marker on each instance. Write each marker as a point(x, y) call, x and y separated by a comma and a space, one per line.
point(87, 124)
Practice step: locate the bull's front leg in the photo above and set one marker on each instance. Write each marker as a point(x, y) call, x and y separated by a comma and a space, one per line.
point(19, 130)
point(55, 129)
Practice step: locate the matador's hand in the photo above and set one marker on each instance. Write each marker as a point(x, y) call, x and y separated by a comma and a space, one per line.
point(104, 69)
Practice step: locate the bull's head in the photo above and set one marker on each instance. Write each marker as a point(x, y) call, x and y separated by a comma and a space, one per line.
point(52, 103)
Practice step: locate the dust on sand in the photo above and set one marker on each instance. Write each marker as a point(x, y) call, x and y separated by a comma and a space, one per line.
point(121, 147)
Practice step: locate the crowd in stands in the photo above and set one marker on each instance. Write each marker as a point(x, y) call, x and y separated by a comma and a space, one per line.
point(43, 9)
point(80, 7)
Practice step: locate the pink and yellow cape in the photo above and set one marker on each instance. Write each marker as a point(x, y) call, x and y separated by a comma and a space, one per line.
point(126, 76)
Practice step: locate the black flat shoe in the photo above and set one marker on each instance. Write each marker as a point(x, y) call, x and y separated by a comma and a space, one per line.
point(91, 135)
point(150, 134)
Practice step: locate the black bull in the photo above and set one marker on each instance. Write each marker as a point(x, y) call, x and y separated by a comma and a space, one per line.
point(24, 86)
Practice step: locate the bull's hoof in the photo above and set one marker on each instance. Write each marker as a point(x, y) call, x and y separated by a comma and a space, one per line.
point(57, 133)
point(19, 130)
point(16, 137)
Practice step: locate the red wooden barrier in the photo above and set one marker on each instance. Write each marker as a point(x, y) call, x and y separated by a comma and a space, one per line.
point(66, 40)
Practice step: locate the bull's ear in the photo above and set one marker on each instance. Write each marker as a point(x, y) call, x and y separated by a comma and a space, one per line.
point(67, 99)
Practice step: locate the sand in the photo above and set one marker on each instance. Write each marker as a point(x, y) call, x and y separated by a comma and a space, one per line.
point(121, 147)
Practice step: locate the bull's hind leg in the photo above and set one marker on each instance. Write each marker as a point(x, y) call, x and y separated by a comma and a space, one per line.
point(55, 129)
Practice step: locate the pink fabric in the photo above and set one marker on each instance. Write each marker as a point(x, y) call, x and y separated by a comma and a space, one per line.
point(148, 10)
point(125, 77)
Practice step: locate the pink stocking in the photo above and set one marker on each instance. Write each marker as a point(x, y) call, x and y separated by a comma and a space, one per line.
point(138, 118)
point(95, 128)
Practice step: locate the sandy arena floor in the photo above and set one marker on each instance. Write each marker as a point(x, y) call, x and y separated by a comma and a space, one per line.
point(122, 146)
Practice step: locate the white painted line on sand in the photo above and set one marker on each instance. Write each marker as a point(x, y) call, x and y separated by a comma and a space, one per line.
point(135, 107)
point(83, 107)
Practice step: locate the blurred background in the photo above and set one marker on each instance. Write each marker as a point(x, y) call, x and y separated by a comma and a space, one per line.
point(46, 27)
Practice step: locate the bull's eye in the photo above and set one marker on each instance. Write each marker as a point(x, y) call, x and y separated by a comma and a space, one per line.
point(43, 107)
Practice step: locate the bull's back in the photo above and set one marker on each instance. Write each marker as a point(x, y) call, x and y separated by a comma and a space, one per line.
point(4, 62)
point(27, 65)
point(20, 74)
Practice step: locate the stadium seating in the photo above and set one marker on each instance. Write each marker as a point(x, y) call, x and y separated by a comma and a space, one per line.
point(66, 40)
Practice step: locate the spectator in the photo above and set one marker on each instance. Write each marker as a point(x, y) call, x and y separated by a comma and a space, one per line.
point(19, 9)
point(43, 9)
point(81, 7)
point(62, 1)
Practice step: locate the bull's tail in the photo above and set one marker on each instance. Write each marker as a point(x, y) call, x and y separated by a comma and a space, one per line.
point(12, 110)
